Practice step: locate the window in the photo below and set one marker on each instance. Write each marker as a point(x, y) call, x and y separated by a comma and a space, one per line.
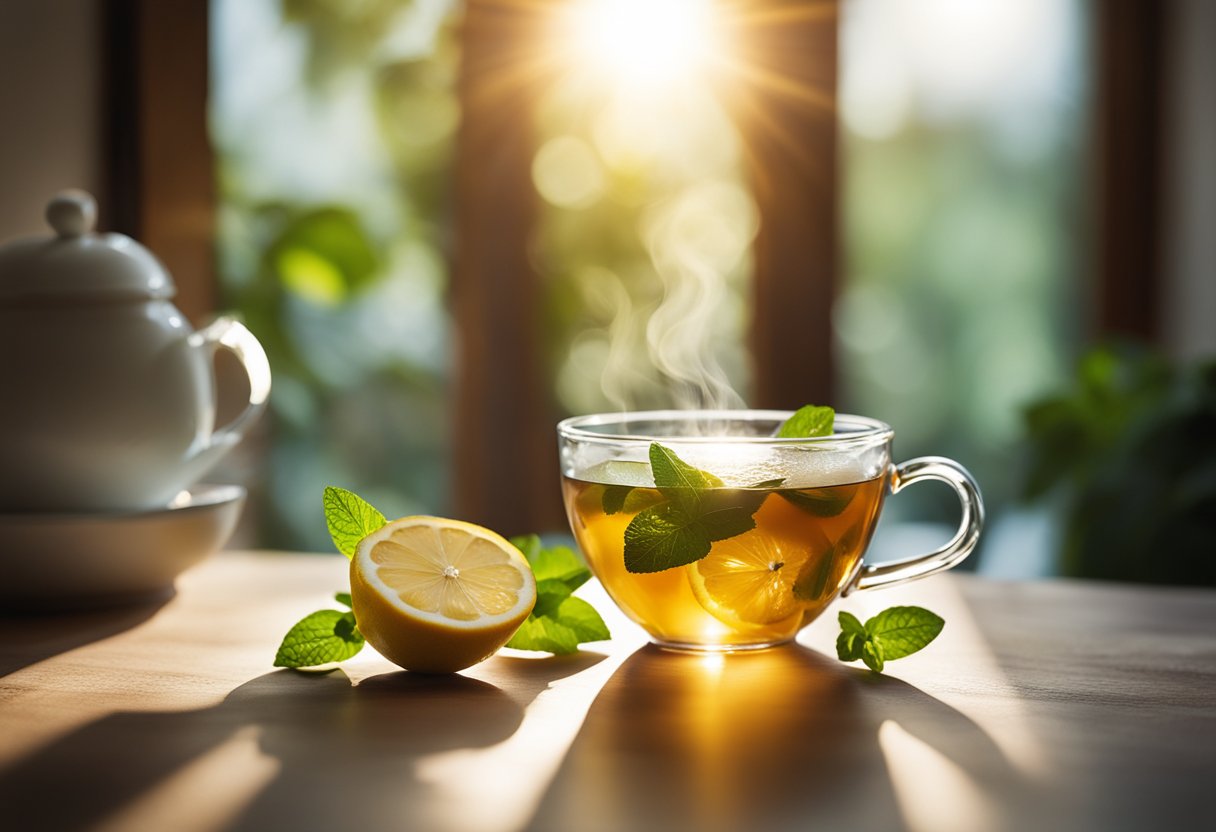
point(334, 129)
point(965, 174)
point(674, 197)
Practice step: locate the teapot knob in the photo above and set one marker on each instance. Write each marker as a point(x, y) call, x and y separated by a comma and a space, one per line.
point(72, 213)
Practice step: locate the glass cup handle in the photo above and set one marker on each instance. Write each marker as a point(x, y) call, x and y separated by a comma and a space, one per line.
point(960, 546)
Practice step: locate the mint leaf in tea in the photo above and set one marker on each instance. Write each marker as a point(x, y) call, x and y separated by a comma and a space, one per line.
point(821, 502)
point(697, 513)
point(808, 421)
point(671, 535)
point(674, 476)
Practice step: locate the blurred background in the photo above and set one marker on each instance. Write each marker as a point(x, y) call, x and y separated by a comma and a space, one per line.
point(986, 222)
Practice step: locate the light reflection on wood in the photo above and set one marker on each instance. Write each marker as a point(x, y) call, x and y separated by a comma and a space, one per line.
point(1003, 723)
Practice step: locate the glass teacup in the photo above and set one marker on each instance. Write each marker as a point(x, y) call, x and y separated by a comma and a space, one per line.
point(748, 537)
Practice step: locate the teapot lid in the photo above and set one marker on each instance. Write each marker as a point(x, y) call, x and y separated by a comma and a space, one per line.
point(77, 263)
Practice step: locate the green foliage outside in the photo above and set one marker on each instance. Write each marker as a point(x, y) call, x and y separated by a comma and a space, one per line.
point(334, 126)
point(1130, 449)
point(961, 301)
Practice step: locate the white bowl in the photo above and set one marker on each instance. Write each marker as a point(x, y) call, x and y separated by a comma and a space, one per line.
point(69, 561)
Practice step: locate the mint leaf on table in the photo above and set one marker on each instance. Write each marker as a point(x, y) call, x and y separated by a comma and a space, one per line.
point(808, 421)
point(852, 637)
point(555, 563)
point(549, 596)
point(560, 631)
point(323, 637)
point(871, 654)
point(545, 634)
point(892, 634)
point(559, 622)
point(528, 544)
point(349, 518)
point(697, 513)
point(579, 616)
point(904, 630)
point(332, 635)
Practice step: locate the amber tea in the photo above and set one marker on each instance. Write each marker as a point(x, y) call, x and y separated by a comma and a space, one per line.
point(755, 589)
point(714, 532)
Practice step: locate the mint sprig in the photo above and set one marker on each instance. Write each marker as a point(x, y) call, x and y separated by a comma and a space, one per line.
point(349, 518)
point(670, 535)
point(698, 512)
point(559, 622)
point(808, 422)
point(328, 636)
point(695, 514)
point(892, 634)
point(321, 638)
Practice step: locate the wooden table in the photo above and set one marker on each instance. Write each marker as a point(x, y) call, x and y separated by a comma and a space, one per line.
point(1054, 705)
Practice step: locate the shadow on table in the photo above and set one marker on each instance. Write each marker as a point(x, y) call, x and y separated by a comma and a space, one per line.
point(1121, 683)
point(342, 756)
point(33, 637)
point(780, 739)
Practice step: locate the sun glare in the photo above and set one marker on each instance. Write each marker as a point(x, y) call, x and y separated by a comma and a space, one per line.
point(643, 43)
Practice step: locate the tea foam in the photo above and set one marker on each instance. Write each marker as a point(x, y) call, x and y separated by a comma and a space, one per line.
point(741, 467)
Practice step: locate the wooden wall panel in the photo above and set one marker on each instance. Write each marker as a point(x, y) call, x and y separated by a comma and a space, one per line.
point(1130, 85)
point(784, 100)
point(159, 158)
point(506, 474)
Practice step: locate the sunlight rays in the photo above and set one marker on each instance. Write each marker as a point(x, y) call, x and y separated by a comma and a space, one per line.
point(746, 54)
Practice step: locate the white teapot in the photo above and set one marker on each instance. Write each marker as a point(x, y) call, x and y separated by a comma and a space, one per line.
point(108, 395)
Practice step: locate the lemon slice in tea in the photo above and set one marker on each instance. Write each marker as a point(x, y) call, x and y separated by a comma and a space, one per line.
point(748, 580)
point(436, 595)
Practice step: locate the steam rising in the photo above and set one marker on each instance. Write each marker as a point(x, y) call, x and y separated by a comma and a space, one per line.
point(680, 337)
point(659, 257)
point(697, 244)
point(621, 380)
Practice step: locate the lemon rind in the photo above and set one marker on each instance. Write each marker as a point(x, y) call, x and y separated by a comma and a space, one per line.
point(370, 572)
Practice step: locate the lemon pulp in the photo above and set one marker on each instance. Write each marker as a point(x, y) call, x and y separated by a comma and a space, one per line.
point(438, 595)
point(748, 581)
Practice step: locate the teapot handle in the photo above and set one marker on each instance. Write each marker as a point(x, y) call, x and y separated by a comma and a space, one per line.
point(231, 334)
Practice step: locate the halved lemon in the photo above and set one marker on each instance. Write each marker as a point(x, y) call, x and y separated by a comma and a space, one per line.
point(436, 595)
